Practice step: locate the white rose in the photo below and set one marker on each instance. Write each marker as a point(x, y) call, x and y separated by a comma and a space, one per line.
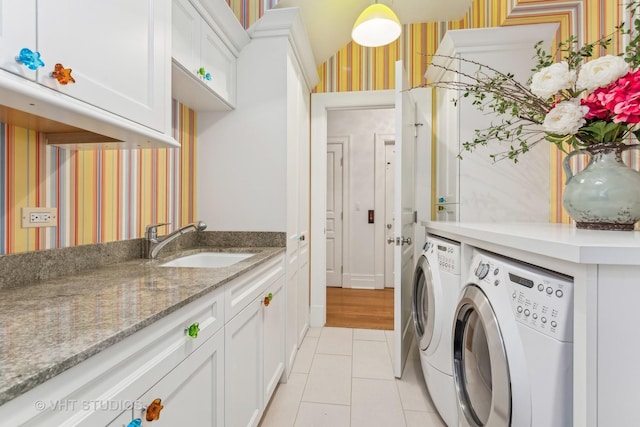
point(565, 118)
point(601, 72)
point(552, 79)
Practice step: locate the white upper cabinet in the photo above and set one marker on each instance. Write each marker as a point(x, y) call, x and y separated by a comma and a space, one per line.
point(205, 54)
point(118, 53)
point(185, 34)
point(18, 30)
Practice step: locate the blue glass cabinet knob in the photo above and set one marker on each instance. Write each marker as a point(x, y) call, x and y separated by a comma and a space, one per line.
point(30, 59)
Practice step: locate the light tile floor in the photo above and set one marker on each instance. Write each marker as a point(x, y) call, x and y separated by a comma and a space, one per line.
point(343, 377)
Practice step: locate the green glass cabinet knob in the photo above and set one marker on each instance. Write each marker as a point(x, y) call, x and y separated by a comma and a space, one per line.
point(201, 71)
point(193, 330)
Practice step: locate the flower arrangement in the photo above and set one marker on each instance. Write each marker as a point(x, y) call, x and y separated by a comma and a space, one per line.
point(570, 102)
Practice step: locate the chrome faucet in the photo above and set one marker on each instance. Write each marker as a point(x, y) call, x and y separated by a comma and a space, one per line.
point(155, 243)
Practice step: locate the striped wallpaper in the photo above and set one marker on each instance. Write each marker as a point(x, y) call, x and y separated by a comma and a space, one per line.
point(110, 195)
point(355, 68)
point(101, 195)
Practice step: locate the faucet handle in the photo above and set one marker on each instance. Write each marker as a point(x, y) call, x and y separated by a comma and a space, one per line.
point(151, 230)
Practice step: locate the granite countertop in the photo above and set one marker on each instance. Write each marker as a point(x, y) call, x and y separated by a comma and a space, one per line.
point(51, 325)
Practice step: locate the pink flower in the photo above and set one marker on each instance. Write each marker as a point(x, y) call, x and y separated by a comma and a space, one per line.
point(619, 102)
point(625, 102)
point(597, 109)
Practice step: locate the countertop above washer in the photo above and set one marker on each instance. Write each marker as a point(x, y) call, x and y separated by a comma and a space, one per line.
point(561, 241)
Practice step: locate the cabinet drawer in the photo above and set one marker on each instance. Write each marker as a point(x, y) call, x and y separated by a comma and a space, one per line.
point(193, 393)
point(98, 390)
point(244, 289)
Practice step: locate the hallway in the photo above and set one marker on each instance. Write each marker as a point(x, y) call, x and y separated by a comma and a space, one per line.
point(343, 377)
point(360, 308)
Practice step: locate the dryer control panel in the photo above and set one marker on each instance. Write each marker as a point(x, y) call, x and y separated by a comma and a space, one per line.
point(540, 299)
point(448, 254)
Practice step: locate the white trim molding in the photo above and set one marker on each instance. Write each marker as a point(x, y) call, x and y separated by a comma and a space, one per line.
point(320, 104)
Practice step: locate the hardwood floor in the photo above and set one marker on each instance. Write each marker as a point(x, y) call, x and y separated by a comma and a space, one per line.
point(360, 308)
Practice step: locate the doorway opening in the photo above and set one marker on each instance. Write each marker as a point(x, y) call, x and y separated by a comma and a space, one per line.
point(359, 217)
point(321, 106)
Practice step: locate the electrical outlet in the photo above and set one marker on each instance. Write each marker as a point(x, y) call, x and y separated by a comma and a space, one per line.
point(39, 217)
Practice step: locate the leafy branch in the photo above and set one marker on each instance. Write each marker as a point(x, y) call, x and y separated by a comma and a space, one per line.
point(520, 113)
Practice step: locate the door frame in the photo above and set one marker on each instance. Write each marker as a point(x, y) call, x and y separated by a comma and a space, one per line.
point(321, 103)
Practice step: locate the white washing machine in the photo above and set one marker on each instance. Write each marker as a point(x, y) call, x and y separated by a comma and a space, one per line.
point(513, 345)
point(436, 286)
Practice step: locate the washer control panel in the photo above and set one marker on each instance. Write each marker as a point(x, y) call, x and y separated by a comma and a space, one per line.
point(448, 254)
point(540, 299)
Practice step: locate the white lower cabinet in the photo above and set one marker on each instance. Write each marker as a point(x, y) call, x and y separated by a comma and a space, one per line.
point(243, 350)
point(193, 393)
point(223, 377)
point(254, 350)
point(122, 421)
point(274, 321)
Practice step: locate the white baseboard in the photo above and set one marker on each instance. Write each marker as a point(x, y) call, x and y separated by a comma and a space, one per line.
point(317, 316)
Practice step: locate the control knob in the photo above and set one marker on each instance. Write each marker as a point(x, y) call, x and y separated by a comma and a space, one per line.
point(482, 270)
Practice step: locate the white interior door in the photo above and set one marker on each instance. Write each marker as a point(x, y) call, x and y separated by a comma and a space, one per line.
point(334, 213)
point(404, 217)
point(384, 205)
point(389, 204)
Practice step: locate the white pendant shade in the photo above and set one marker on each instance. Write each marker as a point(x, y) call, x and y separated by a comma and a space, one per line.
point(376, 26)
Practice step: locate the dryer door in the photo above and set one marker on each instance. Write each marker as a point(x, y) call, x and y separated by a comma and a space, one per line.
point(423, 304)
point(480, 369)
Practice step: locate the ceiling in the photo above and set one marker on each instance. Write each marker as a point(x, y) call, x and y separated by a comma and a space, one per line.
point(329, 22)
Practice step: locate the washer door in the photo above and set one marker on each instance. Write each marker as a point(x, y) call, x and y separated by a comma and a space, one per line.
point(480, 368)
point(423, 306)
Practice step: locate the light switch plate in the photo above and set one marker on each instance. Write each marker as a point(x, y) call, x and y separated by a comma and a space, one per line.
point(39, 217)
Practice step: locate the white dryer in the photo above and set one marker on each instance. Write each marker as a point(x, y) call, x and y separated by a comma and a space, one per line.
point(513, 345)
point(436, 286)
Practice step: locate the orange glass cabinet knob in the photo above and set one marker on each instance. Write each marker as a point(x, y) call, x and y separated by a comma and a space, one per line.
point(63, 75)
point(267, 299)
point(153, 410)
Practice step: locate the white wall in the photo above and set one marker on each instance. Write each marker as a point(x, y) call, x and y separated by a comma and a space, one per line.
point(361, 126)
point(242, 157)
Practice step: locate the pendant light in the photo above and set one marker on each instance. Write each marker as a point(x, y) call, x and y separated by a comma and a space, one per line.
point(376, 26)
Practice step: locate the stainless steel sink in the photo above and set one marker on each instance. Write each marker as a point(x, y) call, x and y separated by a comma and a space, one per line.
point(208, 260)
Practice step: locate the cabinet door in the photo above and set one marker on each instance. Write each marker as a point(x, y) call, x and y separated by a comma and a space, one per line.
point(218, 60)
point(294, 236)
point(448, 147)
point(185, 35)
point(244, 367)
point(291, 316)
point(118, 51)
point(302, 119)
point(17, 30)
point(123, 420)
point(192, 394)
point(274, 318)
